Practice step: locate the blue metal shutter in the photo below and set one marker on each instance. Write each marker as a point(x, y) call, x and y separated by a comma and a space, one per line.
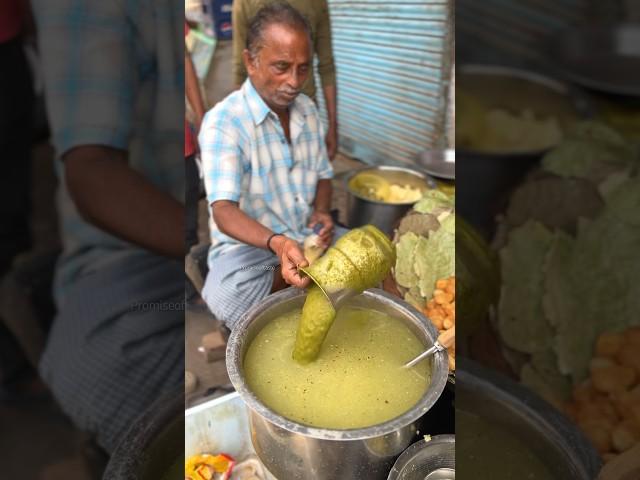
point(391, 60)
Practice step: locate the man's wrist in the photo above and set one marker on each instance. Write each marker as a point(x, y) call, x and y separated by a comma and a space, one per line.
point(275, 243)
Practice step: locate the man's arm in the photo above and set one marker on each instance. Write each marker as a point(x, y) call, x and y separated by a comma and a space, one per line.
point(321, 209)
point(114, 197)
point(330, 101)
point(327, 73)
point(324, 190)
point(235, 223)
point(239, 22)
point(193, 90)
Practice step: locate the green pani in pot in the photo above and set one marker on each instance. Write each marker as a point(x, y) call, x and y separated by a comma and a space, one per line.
point(355, 382)
point(490, 452)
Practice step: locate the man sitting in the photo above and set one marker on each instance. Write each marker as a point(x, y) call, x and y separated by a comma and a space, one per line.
point(267, 173)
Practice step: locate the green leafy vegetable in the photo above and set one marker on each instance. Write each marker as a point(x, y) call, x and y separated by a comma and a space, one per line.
point(432, 200)
point(521, 320)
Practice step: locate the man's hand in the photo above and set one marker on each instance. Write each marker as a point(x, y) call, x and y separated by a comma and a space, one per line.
point(290, 256)
point(326, 234)
point(332, 142)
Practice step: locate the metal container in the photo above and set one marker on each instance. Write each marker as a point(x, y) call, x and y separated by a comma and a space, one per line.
point(427, 460)
point(362, 211)
point(219, 425)
point(439, 163)
point(485, 179)
point(553, 439)
point(601, 58)
point(292, 451)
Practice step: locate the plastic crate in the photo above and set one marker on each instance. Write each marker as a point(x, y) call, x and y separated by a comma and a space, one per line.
point(220, 13)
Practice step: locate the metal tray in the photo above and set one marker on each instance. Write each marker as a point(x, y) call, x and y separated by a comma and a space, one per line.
point(439, 163)
point(606, 59)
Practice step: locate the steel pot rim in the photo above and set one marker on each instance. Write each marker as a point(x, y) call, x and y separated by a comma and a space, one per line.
point(409, 453)
point(581, 105)
point(234, 369)
point(555, 84)
point(564, 435)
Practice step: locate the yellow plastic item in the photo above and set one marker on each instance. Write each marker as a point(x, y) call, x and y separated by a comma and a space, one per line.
point(197, 466)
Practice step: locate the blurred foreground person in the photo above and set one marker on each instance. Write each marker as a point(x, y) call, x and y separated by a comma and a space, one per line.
point(16, 135)
point(115, 96)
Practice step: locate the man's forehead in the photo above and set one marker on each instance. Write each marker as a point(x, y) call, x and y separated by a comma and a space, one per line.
point(282, 39)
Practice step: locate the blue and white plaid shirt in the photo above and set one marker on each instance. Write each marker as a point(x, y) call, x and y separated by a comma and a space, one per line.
point(247, 159)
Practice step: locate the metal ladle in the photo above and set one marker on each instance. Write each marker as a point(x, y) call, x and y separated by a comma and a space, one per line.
point(337, 297)
point(445, 340)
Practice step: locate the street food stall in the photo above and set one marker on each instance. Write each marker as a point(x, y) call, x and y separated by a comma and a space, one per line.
point(544, 377)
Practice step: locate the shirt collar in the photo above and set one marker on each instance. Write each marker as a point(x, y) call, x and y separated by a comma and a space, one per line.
point(260, 110)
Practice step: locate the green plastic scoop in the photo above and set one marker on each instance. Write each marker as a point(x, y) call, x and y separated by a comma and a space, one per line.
point(337, 297)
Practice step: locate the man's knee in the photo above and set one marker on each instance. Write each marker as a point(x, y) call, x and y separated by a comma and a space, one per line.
point(229, 298)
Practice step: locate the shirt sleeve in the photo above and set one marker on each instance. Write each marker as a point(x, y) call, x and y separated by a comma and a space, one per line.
point(324, 48)
point(222, 160)
point(88, 63)
point(239, 23)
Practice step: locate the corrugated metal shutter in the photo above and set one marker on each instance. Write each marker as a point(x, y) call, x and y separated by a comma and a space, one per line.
point(391, 60)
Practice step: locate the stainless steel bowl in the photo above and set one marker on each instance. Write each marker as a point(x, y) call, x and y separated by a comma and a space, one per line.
point(552, 438)
point(439, 163)
point(293, 451)
point(602, 58)
point(427, 460)
point(363, 211)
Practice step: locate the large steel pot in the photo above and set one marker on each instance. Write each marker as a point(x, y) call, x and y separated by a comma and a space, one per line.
point(363, 211)
point(552, 438)
point(293, 451)
point(485, 179)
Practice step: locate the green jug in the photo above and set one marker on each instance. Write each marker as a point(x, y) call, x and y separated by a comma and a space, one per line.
point(359, 260)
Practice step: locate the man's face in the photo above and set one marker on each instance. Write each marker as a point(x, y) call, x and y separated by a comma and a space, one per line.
point(281, 67)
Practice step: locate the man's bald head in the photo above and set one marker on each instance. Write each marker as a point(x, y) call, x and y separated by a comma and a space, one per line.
point(279, 13)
